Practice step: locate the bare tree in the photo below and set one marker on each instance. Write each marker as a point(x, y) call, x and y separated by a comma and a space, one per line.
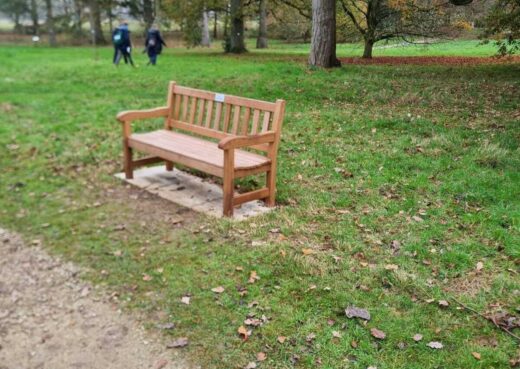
point(261, 41)
point(323, 41)
point(34, 17)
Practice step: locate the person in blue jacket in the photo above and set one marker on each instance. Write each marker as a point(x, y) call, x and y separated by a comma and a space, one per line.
point(153, 44)
point(122, 44)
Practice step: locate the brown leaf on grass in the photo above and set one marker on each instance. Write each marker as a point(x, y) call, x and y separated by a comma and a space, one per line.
point(179, 342)
point(476, 355)
point(307, 252)
point(417, 337)
point(377, 333)
point(444, 303)
point(435, 345)
point(218, 289)
point(239, 268)
point(281, 339)
point(253, 277)
point(251, 365)
point(147, 277)
point(244, 332)
point(336, 334)
point(391, 267)
point(118, 253)
point(261, 356)
point(354, 344)
point(355, 312)
point(253, 322)
point(479, 266)
point(418, 218)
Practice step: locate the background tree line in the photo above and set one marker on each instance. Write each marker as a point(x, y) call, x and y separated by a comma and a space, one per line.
point(322, 22)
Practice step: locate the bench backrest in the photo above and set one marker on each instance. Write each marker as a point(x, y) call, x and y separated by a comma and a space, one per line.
point(218, 116)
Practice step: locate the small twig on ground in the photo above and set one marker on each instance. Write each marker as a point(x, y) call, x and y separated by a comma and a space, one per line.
point(485, 317)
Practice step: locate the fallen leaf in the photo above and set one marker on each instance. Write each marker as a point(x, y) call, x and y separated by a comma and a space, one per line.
point(161, 364)
point(118, 253)
point(354, 344)
point(355, 312)
point(253, 277)
point(379, 334)
point(307, 252)
point(310, 337)
point(417, 337)
point(480, 266)
point(244, 332)
point(185, 300)
point(444, 303)
point(147, 277)
point(261, 356)
point(476, 355)
point(218, 289)
point(417, 218)
point(253, 321)
point(281, 339)
point(179, 342)
point(251, 365)
point(239, 269)
point(435, 345)
point(391, 267)
point(336, 334)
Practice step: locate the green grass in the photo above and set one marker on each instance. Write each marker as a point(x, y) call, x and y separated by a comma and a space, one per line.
point(438, 142)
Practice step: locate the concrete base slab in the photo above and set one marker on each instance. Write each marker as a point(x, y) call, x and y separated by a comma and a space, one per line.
point(189, 191)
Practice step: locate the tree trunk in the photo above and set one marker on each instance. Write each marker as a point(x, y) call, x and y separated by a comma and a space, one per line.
point(237, 44)
point(205, 30)
point(50, 24)
point(95, 23)
point(215, 25)
point(261, 41)
point(34, 17)
point(369, 45)
point(323, 41)
point(147, 14)
point(78, 9)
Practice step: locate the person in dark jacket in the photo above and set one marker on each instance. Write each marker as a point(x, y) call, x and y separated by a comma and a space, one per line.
point(122, 44)
point(153, 44)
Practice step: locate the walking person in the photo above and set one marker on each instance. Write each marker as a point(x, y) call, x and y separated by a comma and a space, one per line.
point(153, 44)
point(122, 44)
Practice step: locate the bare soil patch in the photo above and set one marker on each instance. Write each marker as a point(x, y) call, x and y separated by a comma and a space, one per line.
point(51, 319)
point(433, 60)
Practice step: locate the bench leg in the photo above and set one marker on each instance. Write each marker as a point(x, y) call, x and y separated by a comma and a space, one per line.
point(127, 154)
point(228, 182)
point(169, 166)
point(271, 185)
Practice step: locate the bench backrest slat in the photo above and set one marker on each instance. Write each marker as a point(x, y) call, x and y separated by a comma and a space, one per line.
point(217, 116)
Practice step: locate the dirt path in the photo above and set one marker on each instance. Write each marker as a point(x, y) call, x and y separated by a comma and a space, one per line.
point(50, 319)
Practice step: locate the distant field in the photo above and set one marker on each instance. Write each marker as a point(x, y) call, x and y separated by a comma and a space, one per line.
point(398, 188)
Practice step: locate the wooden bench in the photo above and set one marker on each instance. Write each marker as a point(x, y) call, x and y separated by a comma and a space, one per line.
point(209, 132)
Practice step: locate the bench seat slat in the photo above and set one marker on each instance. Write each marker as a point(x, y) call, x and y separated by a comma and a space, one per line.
point(194, 150)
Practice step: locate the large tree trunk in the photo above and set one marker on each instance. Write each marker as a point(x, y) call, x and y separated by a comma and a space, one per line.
point(50, 24)
point(323, 41)
point(205, 30)
point(95, 23)
point(369, 45)
point(261, 41)
point(148, 13)
point(34, 17)
point(236, 38)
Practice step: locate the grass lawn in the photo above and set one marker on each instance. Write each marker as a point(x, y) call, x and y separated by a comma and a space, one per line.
point(394, 182)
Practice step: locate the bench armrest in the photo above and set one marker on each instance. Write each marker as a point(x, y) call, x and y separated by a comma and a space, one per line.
point(130, 115)
point(245, 141)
